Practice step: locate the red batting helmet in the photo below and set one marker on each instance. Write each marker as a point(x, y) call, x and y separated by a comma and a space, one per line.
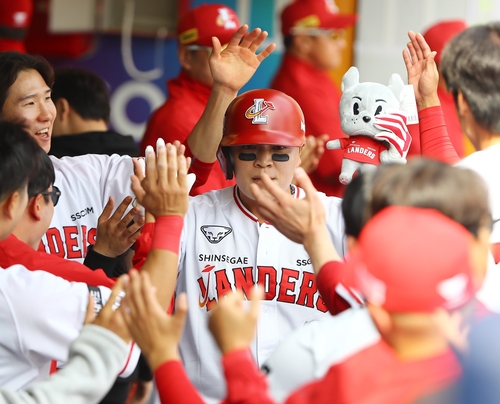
point(267, 117)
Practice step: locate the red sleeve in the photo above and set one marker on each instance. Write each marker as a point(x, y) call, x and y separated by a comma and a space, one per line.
point(334, 288)
point(174, 386)
point(143, 245)
point(13, 251)
point(434, 139)
point(201, 169)
point(245, 383)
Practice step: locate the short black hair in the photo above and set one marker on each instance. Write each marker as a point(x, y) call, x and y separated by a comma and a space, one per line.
point(20, 155)
point(12, 63)
point(354, 204)
point(86, 92)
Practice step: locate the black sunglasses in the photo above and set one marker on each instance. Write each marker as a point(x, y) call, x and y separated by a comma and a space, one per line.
point(54, 194)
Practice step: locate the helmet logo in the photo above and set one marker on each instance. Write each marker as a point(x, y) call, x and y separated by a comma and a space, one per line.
point(257, 109)
point(225, 19)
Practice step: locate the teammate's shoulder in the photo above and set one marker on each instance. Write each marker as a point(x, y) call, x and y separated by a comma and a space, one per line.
point(88, 159)
point(211, 198)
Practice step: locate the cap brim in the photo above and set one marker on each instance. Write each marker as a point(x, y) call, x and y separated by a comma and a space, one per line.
point(340, 21)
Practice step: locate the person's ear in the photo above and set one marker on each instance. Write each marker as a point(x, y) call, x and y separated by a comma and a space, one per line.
point(185, 57)
point(62, 108)
point(462, 104)
point(10, 204)
point(35, 206)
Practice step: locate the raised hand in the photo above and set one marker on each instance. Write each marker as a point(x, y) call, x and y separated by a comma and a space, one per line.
point(312, 152)
point(164, 190)
point(157, 333)
point(395, 131)
point(111, 318)
point(301, 220)
point(231, 324)
point(422, 70)
point(236, 64)
point(113, 236)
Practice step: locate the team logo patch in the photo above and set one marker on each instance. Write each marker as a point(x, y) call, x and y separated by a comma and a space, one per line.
point(256, 111)
point(214, 234)
point(225, 19)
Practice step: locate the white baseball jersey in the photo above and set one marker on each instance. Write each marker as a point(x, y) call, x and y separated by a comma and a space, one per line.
point(86, 183)
point(487, 164)
point(223, 248)
point(40, 316)
point(310, 351)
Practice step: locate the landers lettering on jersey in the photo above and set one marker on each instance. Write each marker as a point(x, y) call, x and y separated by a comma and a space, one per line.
point(367, 151)
point(69, 242)
point(82, 213)
point(286, 286)
point(214, 233)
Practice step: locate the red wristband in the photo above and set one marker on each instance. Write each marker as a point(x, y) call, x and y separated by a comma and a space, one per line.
point(167, 234)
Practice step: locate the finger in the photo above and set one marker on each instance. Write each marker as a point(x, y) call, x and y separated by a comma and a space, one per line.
point(90, 313)
point(139, 167)
point(151, 303)
point(120, 210)
point(181, 310)
point(258, 41)
point(106, 211)
point(266, 52)
point(407, 59)
point(270, 208)
point(151, 173)
point(162, 163)
point(137, 188)
point(118, 287)
point(304, 182)
point(216, 47)
point(424, 46)
point(236, 38)
point(256, 297)
point(275, 191)
point(172, 164)
point(133, 294)
point(182, 171)
point(249, 38)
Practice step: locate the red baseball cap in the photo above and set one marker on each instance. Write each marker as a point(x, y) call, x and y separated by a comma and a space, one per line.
point(314, 14)
point(200, 24)
point(438, 35)
point(412, 260)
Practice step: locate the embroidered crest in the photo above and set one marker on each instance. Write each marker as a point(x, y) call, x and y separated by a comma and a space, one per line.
point(214, 234)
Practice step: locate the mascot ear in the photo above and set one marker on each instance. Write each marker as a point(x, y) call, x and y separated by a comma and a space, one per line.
point(396, 84)
point(350, 79)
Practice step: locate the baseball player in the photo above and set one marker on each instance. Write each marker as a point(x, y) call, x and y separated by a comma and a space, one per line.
point(86, 182)
point(227, 245)
point(41, 314)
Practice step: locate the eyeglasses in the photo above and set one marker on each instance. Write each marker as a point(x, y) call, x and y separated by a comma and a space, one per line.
point(334, 34)
point(54, 194)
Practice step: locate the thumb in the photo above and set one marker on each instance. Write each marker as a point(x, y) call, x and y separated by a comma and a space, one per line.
point(181, 309)
point(256, 296)
point(216, 46)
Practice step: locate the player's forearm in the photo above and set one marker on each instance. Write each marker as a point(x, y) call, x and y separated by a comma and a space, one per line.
point(162, 260)
point(205, 137)
point(320, 248)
